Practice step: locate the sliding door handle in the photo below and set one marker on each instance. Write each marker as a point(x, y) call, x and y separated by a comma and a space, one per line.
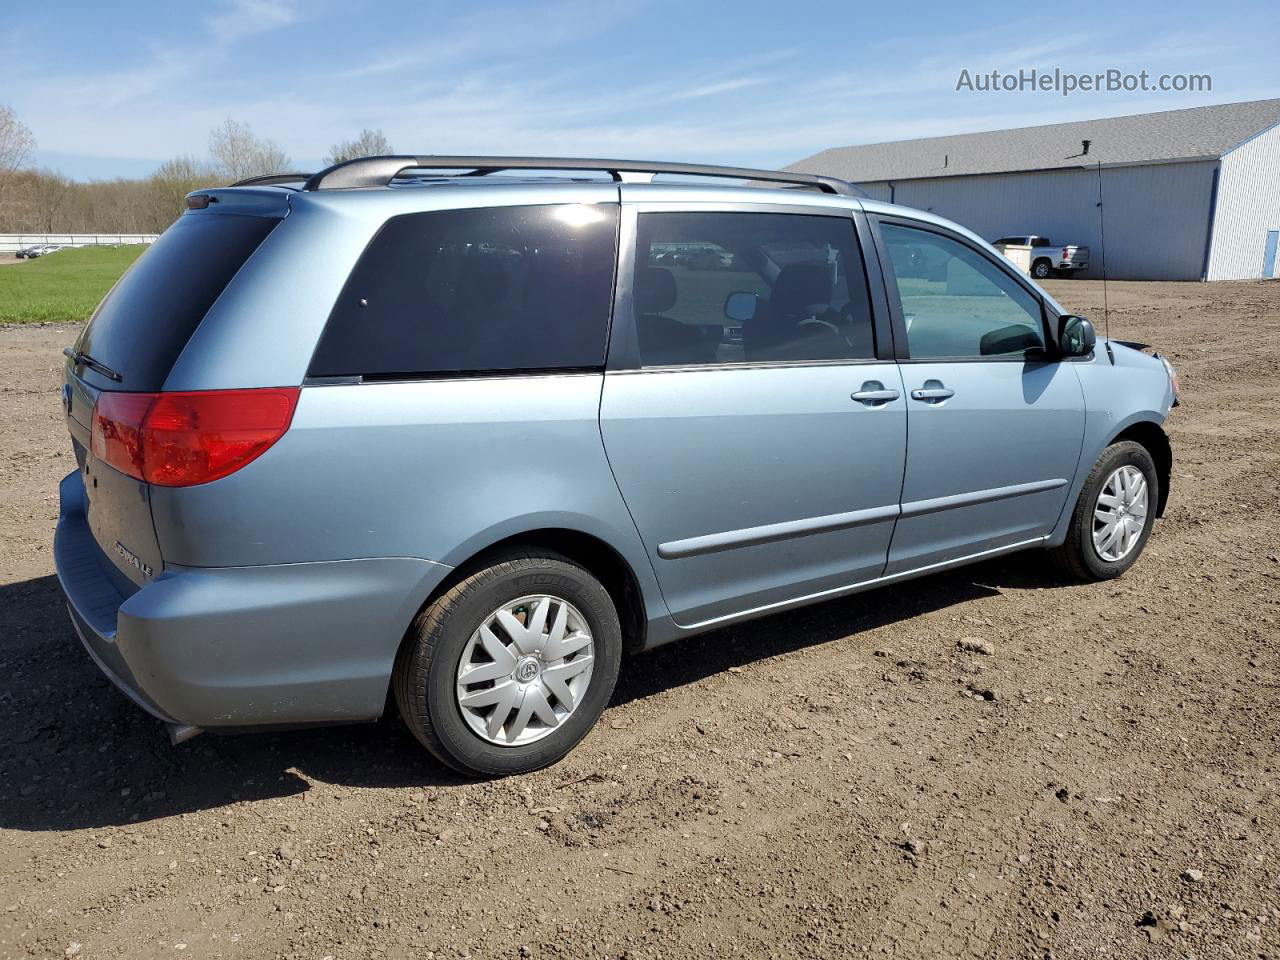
point(875, 396)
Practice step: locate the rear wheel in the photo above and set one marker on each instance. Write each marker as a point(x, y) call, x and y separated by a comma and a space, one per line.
point(509, 669)
point(1042, 269)
point(1113, 517)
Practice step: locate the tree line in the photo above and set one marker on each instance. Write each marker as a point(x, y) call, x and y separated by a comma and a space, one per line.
point(34, 200)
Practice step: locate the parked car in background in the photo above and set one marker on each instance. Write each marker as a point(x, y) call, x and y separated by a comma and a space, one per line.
point(1043, 259)
point(37, 250)
point(489, 440)
point(709, 258)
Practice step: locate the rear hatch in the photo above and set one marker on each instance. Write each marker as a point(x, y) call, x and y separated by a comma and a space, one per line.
point(131, 343)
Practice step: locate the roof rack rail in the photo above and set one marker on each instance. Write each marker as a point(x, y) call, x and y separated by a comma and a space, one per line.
point(272, 179)
point(380, 171)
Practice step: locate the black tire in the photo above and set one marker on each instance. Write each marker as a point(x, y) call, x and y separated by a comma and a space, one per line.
point(426, 668)
point(1077, 556)
point(1042, 270)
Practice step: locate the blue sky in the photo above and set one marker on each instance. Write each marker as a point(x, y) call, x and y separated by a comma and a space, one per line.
point(112, 89)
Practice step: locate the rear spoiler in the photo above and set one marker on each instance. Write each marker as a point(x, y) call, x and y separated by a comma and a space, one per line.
point(254, 203)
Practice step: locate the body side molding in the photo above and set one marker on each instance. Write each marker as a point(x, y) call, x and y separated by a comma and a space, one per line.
point(772, 532)
point(769, 533)
point(919, 508)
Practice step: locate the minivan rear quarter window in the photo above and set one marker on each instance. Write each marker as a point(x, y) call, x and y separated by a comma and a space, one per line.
point(477, 291)
point(146, 320)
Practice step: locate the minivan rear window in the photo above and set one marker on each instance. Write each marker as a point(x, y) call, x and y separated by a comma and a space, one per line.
point(476, 291)
point(148, 317)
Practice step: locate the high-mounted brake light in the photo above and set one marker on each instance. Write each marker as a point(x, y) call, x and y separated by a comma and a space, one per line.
point(184, 439)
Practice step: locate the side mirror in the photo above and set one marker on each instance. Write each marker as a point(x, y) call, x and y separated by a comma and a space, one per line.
point(740, 307)
point(1076, 336)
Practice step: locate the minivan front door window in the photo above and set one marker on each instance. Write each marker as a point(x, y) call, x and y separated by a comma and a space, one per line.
point(956, 302)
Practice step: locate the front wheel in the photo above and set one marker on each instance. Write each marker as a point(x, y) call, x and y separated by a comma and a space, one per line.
point(1114, 515)
point(509, 669)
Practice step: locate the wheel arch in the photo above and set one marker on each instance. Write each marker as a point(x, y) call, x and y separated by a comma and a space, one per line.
point(590, 551)
point(1152, 436)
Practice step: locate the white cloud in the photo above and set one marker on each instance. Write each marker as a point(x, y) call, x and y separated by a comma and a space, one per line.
point(244, 18)
point(714, 89)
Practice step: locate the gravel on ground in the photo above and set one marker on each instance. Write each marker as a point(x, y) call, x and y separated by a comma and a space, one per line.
point(858, 778)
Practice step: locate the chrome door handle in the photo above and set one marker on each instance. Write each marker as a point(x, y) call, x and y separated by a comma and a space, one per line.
point(932, 393)
point(875, 396)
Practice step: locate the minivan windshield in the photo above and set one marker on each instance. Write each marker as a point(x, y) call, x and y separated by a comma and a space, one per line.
point(148, 317)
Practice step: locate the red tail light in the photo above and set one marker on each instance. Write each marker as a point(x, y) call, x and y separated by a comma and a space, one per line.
point(184, 439)
point(1066, 254)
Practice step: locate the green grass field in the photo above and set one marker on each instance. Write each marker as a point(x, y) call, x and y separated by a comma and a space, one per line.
point(62, 287)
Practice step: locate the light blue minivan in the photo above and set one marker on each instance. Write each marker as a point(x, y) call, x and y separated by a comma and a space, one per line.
point(469, 428)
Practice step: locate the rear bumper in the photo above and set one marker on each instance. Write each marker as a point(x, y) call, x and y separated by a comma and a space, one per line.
point(239, 646)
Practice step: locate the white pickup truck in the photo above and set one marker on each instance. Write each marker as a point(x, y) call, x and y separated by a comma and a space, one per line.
point(1039, 257)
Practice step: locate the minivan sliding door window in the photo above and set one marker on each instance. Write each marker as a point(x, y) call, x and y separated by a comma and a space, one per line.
point(717, 288)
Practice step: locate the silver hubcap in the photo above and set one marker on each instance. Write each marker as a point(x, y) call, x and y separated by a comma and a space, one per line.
point(525, 670)
point(1120, 514)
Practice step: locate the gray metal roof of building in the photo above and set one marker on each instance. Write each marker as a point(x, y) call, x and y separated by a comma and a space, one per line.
point(1195, 133)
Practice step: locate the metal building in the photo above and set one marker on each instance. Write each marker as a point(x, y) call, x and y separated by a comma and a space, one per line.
point(1185, 194)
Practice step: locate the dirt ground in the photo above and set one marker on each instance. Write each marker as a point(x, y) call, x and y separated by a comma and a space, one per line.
point(818, 784)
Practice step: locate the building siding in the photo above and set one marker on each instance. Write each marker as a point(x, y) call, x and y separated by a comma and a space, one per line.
point(1157, 215)
point(1248, 206)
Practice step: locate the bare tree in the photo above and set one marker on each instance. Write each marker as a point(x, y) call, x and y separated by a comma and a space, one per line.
point(171, 183)
point(16, 141)
point(370, 143)
point(45, 198)
point(238, 154)
point(16, 144)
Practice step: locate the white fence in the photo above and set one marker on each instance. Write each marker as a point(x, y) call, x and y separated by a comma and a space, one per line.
point(12, 242)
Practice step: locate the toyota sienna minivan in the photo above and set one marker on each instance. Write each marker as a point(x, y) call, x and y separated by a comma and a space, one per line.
point(468, 429)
